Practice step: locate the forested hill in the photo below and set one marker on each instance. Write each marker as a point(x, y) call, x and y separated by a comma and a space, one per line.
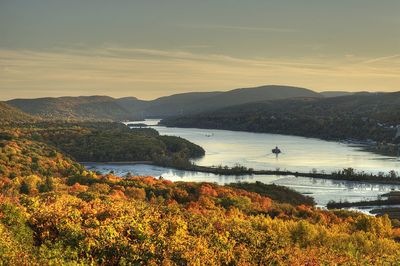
point(359, 116)
point(74, 108)
point(167, 105)
point(197, 102)
point(9, 114)
point(107, 142)
point(129, 108)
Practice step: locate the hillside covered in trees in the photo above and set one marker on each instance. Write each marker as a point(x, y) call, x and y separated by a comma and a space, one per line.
point(9, 114)
point(369, 116)
point(104, 108)
point(54, 212)
point(107, 142)
point(87, 108)
point(197, 102)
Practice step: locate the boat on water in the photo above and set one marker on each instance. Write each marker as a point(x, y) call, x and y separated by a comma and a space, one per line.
point(276, 151)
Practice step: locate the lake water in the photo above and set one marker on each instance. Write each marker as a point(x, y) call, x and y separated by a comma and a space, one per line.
point(254, 150)
point(298, 153)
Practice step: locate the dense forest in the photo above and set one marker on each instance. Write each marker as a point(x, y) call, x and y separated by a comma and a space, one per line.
point(54, 212)
point(107, 142)
point(362, 117)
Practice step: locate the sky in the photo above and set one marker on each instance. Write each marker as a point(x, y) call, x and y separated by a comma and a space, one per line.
point(154, 48)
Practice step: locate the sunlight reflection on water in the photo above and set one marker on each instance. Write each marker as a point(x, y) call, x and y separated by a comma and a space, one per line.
point(301, 154)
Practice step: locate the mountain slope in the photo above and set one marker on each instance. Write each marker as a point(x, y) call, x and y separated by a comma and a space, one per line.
point(329, 94)
point(178, 103)
point(11, 114)
point(164, 106)
point(257, 94)
point(197, 102)
point(80, 108)
point(128, 108)
point(133, 104)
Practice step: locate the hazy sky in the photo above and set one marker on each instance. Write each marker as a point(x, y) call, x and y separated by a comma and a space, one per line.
point(151, 48)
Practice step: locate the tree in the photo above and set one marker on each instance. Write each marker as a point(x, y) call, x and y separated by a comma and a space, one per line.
point(25, 188)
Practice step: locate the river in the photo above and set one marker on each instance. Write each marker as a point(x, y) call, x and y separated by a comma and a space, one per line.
point(224, 147)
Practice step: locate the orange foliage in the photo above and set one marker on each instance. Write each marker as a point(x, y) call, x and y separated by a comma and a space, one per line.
point(77, 188)
point(207, 190)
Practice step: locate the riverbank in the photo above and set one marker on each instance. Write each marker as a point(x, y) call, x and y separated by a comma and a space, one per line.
point(377, 147)
point(393, 213)
point(367, 203)
point(345, 174)
point(389, 205)
point(121, 163)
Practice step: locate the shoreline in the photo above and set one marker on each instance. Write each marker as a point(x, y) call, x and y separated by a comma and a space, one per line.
point(367, 146)
point(389, 206)
point(121, 163)
point(240, 171)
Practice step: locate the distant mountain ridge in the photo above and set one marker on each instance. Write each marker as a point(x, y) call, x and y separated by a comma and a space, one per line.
point(165, 106)
point(131, 108)
point(248, 95)
point(197, 102)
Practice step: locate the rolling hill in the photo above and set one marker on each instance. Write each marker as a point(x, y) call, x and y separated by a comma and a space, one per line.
point(10, 114)
point(129, 108)
point(197, 102)
point(74, 108)
point(178, 104)
point(164, 106)
point(329, 94)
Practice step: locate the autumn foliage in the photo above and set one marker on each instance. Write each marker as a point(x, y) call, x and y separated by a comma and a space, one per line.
point(54, 212)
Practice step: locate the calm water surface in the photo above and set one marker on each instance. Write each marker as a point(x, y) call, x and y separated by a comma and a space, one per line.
point(224, 147)
point(298, 153)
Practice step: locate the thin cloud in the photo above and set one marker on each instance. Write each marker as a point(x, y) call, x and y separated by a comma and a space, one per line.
point(383, 58)
point(242, 28)
point(144, 72)
point(196, 46)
